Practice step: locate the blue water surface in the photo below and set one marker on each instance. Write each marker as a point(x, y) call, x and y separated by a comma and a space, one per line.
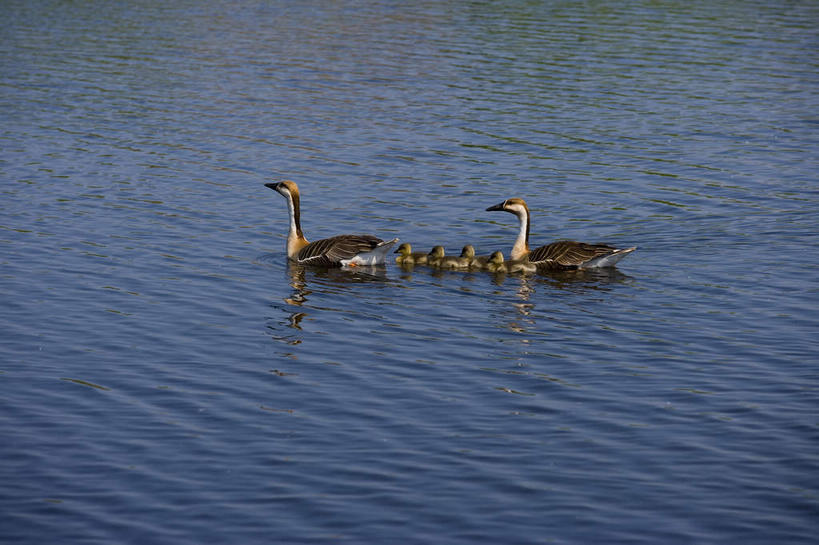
point(167, 377)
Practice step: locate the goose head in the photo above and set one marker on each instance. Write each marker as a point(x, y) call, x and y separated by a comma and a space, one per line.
point(514, 205)
point(287, 189)
point(496, 258)
point(468, 251)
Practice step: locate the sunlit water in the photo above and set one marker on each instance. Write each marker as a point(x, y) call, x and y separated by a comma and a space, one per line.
point(166, 377)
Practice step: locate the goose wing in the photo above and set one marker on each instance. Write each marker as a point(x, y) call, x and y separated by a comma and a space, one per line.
point(568, 253)
point(329, 252)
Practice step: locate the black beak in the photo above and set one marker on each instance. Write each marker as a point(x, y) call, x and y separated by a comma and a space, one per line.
point(498, 206)
point(273, 186)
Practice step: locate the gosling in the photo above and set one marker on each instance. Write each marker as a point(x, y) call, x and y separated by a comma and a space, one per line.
point(496, 264)
point(408, 257)
point(475, 262)
point(436, 258)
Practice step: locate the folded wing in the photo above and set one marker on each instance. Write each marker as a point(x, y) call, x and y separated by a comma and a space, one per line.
point(569, 254)
point(330, 252)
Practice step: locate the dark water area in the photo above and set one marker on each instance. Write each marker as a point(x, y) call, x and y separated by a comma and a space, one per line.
point(167, 377)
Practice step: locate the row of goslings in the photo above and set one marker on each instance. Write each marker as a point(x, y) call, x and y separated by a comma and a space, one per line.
point(467, 261)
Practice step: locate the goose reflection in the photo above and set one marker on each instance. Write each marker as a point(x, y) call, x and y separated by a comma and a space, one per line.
point(518, 315)
point(309, 282)
point(571, 280)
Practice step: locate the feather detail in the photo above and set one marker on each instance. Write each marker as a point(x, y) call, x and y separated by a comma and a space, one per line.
point(330, 252)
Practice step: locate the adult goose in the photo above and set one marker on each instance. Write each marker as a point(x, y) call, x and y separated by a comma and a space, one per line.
point(563, 254)
point(338, 251)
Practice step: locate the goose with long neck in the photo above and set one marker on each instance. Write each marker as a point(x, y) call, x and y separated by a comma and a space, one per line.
point(337, 251)
point(563, 254)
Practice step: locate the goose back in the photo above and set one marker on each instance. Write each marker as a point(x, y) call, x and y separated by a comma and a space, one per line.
point(331, 252)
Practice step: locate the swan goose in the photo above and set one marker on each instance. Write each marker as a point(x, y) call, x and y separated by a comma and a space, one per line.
point(337, 251)
point(563, 254)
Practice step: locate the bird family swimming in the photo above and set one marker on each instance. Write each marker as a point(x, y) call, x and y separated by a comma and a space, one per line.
point(337, 251)
point(353, 250)
point(560, 255)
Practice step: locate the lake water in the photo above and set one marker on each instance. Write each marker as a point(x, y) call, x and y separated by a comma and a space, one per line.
point(166, 377)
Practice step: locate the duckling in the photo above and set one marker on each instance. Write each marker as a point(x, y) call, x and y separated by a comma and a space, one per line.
point(408, 257)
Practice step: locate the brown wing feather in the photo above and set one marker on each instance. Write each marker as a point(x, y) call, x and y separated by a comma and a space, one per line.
point(329, 252)
point(568, 254)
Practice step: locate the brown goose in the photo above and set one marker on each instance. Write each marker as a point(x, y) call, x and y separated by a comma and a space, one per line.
point(564, 254)
point(408, 257)
point(338, 251)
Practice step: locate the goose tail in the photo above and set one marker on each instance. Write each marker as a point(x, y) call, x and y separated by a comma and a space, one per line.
point(608, 260)
point(376, 256)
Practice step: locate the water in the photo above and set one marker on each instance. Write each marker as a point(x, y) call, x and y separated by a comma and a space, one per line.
point(167, 378)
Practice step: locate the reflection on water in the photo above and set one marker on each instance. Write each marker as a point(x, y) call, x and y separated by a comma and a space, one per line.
point(332, 298)
point(572, 279)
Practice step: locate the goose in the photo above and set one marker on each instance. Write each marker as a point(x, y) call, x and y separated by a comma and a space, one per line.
point(436, 258)
point(475, 262)
point(496, 264)
point(337, 251)
point(563, 254)
point(408, 257)
point(464, 261)
point(451, 262)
